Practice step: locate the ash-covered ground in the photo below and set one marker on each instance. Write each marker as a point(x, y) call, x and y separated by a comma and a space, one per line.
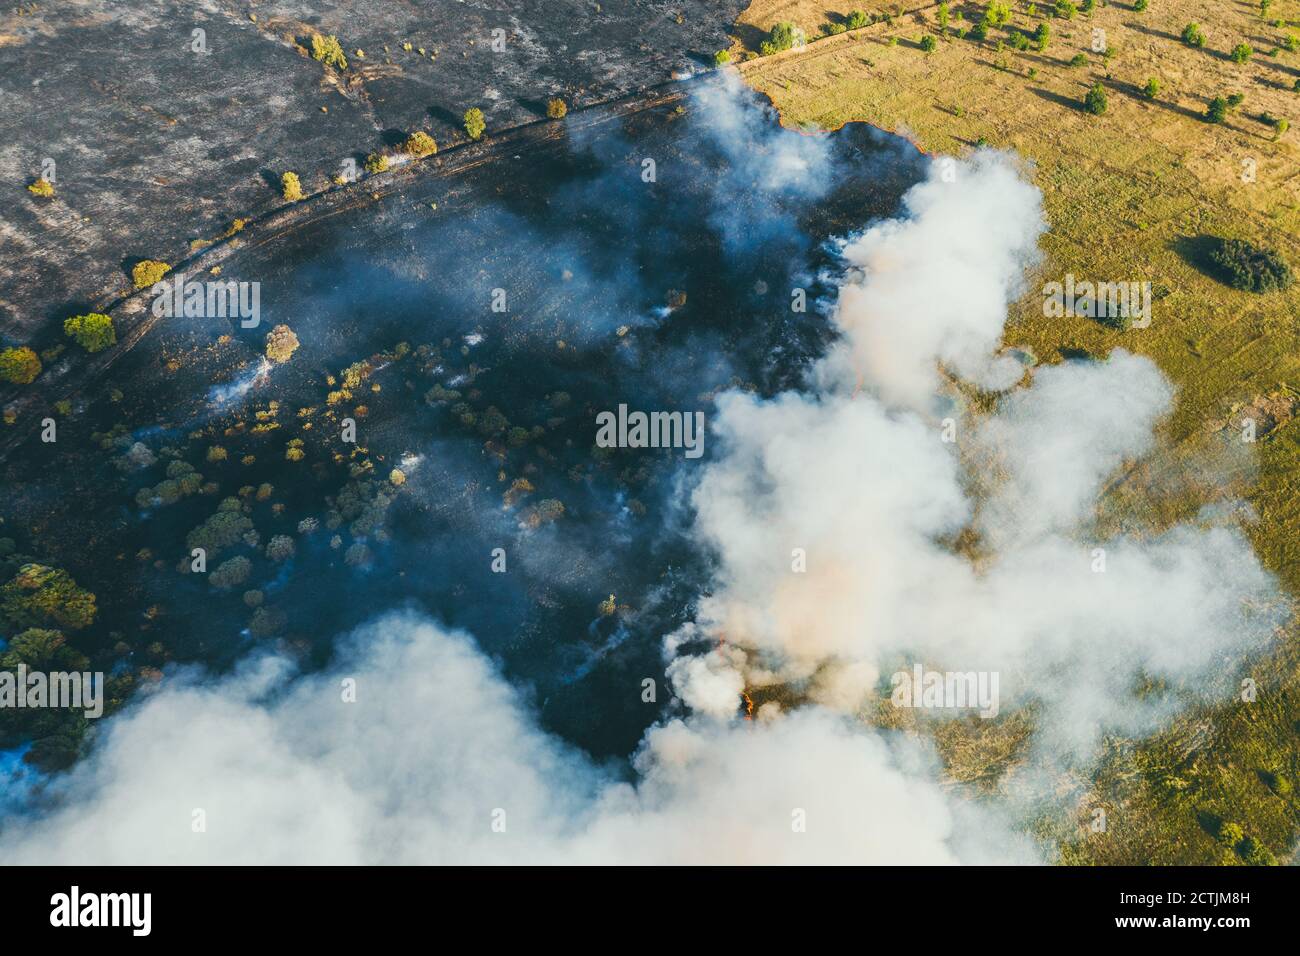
point(161, 135)
point(655, 285)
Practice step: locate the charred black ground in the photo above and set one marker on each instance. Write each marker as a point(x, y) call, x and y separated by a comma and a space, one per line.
point(157, 143)
point(656, 294)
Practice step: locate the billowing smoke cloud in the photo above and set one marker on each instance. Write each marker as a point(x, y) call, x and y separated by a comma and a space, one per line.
point(933, 286)
point(438, 760)
point(834, 515)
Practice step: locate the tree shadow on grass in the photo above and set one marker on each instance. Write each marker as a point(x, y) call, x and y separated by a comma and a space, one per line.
point(536, 107)
point(444, 115)
point(749, 35)
point(1054, 97)
point(1196, 252)
point(1138, 93)
point(1161, 34)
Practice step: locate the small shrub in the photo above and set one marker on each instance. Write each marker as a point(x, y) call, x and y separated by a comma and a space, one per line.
point(856, 20)
point(928, 43)
point(93, 332)
point(474, 123)
point(556, 108)
point(1280, 126)
point(1140, 6)
point(376, 163)
point(722, 57)
point(20, 365)
point(1095, 100)
point(148, 271)
point(43, 188)
point(979, 31)
point(1087, 6)
point(1152, 89)
point(1217, 111)
point(1079, 59)
point(1241, 53)
point(292, 187)
point(1065, 9)
point(328, 50)
point(1042, 36)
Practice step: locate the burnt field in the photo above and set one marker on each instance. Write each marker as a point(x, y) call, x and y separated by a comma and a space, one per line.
point(470, 318)
point(167, 120)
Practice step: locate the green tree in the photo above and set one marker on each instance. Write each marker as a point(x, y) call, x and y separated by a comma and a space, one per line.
point(328, 50)
point(998, 13)
point(39, 596)
point(420, 144)
point(783, 36)
point(291, 187)
point(148, 271)
point(1193, 36)
point(474, 124)
point(1254, 853)
point(1042, 36)
point(1095, 100)
point(1065, 9)
point(721, 57)
point(941, 17)
point(1250, 268)
point(20, 365)
point(928, 43)
point(1241, 53)
point(856, 20)
point(1140, 5)
point(93, 332)
point(1217, 111)
point(35, 647)
point(231, 573)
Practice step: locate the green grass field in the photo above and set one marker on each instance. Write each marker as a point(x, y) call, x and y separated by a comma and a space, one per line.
point(1128, 194)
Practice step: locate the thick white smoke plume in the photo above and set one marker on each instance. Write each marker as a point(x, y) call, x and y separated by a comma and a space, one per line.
point(438, 759)
point(932, 287)
point(857, 483)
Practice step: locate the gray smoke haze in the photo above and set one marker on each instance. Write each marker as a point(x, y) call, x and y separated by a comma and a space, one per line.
point(853, 472)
